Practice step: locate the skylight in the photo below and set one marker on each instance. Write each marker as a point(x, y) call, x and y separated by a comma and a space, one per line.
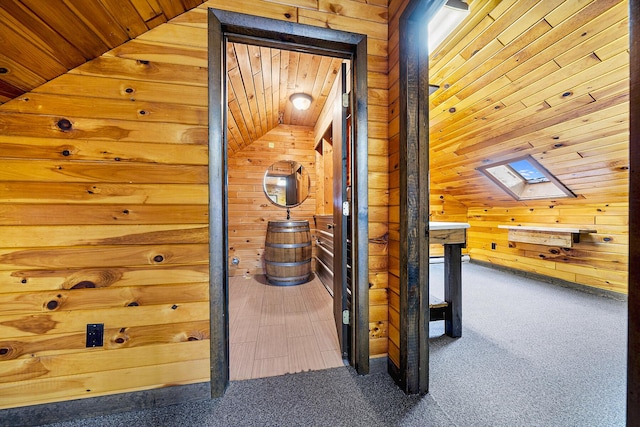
point(445, 21)
point(525, 179)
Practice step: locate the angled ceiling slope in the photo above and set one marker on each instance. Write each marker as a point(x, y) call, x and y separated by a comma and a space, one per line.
point(43, 39)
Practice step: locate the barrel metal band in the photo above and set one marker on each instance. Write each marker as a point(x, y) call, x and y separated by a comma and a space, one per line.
point(288, 230)
point(295, 280)
point(288, 245)
point(288, 264)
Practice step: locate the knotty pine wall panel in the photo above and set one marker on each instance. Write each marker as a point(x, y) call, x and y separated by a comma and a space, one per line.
point(104, 220)
point(599, 260)
point(118, 146)
point(396, 7)
point(249, 209)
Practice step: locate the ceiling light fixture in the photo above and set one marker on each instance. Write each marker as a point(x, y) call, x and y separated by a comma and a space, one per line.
point(445, 21)
point(301, 101)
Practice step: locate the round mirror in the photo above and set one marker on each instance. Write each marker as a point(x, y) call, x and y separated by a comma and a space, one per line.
point(286, 183)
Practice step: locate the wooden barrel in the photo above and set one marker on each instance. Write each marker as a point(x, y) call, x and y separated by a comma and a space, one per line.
point(287, 252)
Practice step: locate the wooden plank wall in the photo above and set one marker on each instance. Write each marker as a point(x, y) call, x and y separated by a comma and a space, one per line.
point(324, 154)
point(103, 210)
point(249, 209)
point(599, 260)
point(103, 219)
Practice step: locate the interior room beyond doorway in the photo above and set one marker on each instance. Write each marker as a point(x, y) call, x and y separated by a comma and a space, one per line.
point(275, 330)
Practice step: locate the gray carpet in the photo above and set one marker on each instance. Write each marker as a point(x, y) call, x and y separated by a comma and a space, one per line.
point(531, 354)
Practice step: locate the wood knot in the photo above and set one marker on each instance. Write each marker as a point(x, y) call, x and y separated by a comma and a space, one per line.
point(52, 305)
point(287, 15)
point(158, 258)
point(85, 284)
point(335, 8)
point(4, 70)
point(64, 125)
point(120, 340)
point(194, 336)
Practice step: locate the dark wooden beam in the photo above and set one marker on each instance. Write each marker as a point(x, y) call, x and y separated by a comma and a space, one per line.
point(633, 365)
point(452, 289)
point(218, 239)
point(360, 210)
point(413, 373)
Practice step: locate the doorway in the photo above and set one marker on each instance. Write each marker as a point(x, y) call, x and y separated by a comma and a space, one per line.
point(238, 28)
point(275, 184)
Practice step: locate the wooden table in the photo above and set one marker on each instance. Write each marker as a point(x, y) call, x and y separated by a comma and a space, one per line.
point(453, 235)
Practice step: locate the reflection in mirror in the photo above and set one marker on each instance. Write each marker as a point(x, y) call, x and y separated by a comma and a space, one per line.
point(286, 183)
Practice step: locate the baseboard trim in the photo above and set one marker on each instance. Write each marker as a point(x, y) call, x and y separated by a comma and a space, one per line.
point(124, 402)
point(554, 281)
point(103, 405)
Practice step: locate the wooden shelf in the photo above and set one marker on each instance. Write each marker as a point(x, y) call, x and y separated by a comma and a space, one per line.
point(550, 236)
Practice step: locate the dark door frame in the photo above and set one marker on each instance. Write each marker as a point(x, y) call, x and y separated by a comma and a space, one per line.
point(413, 373)
point(236, 27)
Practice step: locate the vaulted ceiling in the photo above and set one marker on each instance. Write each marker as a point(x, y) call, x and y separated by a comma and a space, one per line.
point(543, 78)
point(260, 82)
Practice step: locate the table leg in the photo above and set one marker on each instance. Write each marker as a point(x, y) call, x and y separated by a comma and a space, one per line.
point(453, 289)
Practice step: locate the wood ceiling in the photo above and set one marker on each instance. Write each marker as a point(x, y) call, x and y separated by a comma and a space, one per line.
point(44, 39)
point(260, 81)
point(545, 78)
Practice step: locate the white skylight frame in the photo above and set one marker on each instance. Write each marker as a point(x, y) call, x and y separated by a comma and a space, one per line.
point(541, 184)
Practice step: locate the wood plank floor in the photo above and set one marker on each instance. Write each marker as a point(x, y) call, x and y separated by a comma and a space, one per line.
point(274, 330)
